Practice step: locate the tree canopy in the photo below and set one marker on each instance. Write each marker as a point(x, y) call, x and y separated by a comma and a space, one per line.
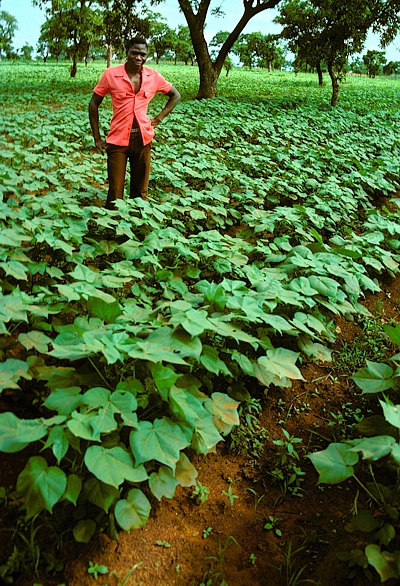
point(8, 26)
point(331, 31)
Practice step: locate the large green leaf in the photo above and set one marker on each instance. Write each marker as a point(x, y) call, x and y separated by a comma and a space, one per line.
point(64, 400)
point(163, 483)
point(132, 512)
point(374, 378)
point(108, 312)
point(161, 440)
point(11, 371)
point(335, 464)
point(16, 433)
point(387, 564)
point(165, 377)
point(40, 485)
point(374, 448)
point(113, 466)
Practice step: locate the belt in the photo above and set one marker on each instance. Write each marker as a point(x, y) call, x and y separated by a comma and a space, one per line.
point(135, 130)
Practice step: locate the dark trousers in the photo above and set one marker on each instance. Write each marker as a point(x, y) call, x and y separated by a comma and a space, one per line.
point(139, 161)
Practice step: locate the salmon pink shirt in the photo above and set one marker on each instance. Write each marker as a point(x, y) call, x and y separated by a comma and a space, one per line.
point(127, 105)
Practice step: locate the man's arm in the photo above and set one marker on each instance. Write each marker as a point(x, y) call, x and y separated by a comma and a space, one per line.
point(174, 97)
point(94, 104)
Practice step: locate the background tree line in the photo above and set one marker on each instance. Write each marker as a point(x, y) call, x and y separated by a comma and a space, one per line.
point(322, 35)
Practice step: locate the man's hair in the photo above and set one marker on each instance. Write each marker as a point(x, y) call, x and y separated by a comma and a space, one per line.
point(137, 40)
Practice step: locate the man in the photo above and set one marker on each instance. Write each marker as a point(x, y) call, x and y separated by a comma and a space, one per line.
point(132, 86)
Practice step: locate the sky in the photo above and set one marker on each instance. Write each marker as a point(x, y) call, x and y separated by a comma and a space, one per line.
point(30, 18)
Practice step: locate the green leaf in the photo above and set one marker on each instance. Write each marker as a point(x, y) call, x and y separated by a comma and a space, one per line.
point(393, 333)
point(374, 448)
point(211, 361)
point(108, 312)
point(195, 321)
point(132, 512)
point(391, 412)
point(99, 494)
point(11, 371)
point(64, 401)
point(165, 377)
point(161, 440)
point(185, 472)
point(224, 410)
point(206, 436)
point(17, 433)
point(335, 464)
point(386, 534)
point(84, 530)
point(58, 441)
point(278, 367)
point(113, 466)
point(40, 485)
point(125, 404)
point(35, 339)
point(315, 350)
point(73, 490)
point(363, 520)
point(163, 483)
point(385, 563)
point(375, 378)
point(185, 406)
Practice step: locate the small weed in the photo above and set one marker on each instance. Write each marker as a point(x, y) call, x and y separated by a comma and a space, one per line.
point(257, 499)
point(286, 472)
point(219, 560)
point(200, 493)
point(248, 437)
point(272, 524)
point(371, 344)
point(207, 532)
point(252, 558)
point(230, 495)
point(123, 581)
point(343, 422)
point(96, 569)
point(163, 543)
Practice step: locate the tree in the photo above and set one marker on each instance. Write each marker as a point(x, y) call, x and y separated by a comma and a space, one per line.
point(76, 24)
point(391, 68)
point(183, 47)
point(161, 38)
point(195, 12)
point(373, 61)
point(123, 19)
point(357, 66)
point(331, 31)
point(86, 24)
point(53, 39)
point(26, 52)
point(8, 26)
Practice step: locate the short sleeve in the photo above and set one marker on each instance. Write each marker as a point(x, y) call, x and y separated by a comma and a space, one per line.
point(103, 87)
point(163, 85)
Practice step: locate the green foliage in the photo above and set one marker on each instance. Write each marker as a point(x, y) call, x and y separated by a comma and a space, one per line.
point(378, 446)
point(133, 336)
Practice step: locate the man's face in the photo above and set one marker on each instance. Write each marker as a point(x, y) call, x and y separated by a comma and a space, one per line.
point(137, 54)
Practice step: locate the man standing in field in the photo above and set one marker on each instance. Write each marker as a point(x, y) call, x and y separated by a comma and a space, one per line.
point(132, 86)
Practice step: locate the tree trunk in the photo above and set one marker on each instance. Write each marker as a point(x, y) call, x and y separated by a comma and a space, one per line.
point(319, 71)
point(209, 71)
point(208, 81)
point(74, 65)
point(109, 55)
point(335, 85)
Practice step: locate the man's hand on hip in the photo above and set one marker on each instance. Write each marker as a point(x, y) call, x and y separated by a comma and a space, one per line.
point(100, 144)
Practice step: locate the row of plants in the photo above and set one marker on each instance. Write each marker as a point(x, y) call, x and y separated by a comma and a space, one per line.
point(129, 338)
